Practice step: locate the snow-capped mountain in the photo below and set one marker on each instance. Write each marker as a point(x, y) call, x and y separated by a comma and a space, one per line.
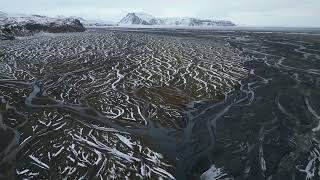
point(22, 25)
point(22, 19)
point(137, 19)
point(145, 19)
point(89, 22)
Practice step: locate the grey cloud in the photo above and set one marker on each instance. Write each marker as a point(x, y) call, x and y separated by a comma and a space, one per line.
point(247, 12)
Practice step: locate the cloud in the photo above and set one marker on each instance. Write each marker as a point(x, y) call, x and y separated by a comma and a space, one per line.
point(248, 12)
point(305, 15)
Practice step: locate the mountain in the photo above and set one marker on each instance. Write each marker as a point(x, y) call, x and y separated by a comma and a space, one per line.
point(12, 25)
point(90, 23)
point(145, 19)
point(137, 19)
point(95, 23)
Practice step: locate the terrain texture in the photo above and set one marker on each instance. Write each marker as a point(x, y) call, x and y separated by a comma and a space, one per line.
point(149, 20)
point(13, 25)
point(160, 104)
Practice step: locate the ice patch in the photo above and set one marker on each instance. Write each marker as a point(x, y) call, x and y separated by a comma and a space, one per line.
point(213, 173)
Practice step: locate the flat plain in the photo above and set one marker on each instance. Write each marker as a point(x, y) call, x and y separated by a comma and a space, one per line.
point(160, 104)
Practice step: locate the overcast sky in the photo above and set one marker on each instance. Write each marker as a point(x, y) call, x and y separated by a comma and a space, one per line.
point(242, 12)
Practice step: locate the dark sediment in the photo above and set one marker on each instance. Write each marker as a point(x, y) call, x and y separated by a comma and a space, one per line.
point(168, 104)
point(10, 31)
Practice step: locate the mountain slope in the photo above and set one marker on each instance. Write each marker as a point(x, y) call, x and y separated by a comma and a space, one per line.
point(24, 25)
point(89, 22)
point(145, 19)
point(136, 19)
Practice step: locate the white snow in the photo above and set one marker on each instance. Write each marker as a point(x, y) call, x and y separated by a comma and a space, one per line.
point(89, 22)
point(138, 18)
point(146, 17)
point(39, 163)
point(213, 173)
point(21, 19)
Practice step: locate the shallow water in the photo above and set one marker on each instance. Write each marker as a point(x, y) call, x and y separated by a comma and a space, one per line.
point(111, 104)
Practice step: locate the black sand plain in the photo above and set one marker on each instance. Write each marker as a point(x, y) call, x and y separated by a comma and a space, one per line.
point(153, 103)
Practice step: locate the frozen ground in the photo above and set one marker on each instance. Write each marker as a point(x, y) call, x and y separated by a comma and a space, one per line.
point(160, 104)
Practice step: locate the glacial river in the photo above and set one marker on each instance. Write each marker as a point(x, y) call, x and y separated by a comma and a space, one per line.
point(160, 104)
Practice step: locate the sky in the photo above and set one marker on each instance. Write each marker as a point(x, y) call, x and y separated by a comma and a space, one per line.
point(281, 13)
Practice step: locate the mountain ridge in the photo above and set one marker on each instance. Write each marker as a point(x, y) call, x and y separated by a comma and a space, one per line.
point(146, 19)
point(12, 25)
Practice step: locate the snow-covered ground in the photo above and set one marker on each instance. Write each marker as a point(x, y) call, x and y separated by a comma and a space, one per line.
point(12, 25)
point(22, 19)
point(91, 22)
point(146, 19)
point(96, 23)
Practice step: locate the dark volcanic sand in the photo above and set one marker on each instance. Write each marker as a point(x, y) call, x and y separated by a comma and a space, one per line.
point(152, 104)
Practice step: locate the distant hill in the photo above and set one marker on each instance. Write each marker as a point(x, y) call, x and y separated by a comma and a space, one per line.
point(89, 22)
point(146, 19)
point(95, 23)
point(12, 25)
